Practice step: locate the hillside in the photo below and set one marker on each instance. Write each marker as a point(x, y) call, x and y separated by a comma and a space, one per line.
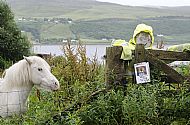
point(98, 20)
point(88, 9)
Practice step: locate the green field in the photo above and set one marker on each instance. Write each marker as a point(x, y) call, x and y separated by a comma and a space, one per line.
point(96, 20)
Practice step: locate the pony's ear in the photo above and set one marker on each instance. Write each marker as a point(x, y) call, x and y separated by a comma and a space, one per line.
point(27, 59)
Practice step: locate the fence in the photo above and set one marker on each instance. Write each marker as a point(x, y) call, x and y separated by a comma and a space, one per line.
point(13, 102)
point(118, 70)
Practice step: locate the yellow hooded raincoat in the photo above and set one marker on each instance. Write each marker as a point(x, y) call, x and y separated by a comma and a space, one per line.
point(128, 46)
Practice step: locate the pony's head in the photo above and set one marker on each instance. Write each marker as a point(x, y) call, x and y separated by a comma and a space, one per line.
point(40, 73)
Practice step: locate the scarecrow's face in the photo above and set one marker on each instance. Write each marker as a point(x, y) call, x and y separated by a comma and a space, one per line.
point(144, 38)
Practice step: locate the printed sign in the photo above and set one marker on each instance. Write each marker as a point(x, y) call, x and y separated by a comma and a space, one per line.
point(142, 72)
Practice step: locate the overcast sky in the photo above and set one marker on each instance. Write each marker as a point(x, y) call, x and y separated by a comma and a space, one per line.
point(150, 2)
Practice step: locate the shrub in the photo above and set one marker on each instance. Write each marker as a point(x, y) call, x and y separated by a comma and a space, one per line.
point(139, 106)
point(13, 45)
point(80, 100)
point(4, 64)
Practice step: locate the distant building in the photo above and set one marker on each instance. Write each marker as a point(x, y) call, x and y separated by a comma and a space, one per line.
point(73, 41)
point(70, 22)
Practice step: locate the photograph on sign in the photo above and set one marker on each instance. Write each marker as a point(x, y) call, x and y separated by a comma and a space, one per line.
point(142, 72)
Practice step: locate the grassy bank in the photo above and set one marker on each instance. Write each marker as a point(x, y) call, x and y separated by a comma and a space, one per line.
point(83, 99)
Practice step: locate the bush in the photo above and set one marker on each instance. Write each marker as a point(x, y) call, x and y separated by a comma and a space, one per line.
point(139, 106)
point(80, 100)
point(104, 110)
point(13, 45)
point(4, 64)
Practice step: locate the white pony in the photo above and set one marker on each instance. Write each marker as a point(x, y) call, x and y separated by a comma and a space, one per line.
point(18, 81)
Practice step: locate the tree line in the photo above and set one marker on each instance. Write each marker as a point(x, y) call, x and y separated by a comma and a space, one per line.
point(13, 45)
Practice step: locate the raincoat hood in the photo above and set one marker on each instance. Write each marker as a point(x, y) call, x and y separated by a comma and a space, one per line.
point(129, 46)
point(142, 28)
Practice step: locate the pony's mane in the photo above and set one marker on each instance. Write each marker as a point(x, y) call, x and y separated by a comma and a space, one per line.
point(18, 74)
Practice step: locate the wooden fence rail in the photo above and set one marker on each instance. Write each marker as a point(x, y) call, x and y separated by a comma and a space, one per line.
point(117, 70)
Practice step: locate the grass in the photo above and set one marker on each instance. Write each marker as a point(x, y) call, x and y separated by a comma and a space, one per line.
point(175, 30)
point(95, 41)
point(90, 22)
point(82, 101)
point(51, 30)
point(88, 10)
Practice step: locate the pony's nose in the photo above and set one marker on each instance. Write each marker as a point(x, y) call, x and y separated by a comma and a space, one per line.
point(56, 84)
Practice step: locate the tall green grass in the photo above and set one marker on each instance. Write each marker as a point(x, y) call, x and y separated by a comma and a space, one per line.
point(83, 99)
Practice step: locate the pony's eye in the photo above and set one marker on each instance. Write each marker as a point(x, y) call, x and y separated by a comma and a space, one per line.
point(39, 69)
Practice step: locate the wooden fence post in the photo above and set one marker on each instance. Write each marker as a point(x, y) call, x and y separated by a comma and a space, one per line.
point(115, 70)
point(139, 53)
